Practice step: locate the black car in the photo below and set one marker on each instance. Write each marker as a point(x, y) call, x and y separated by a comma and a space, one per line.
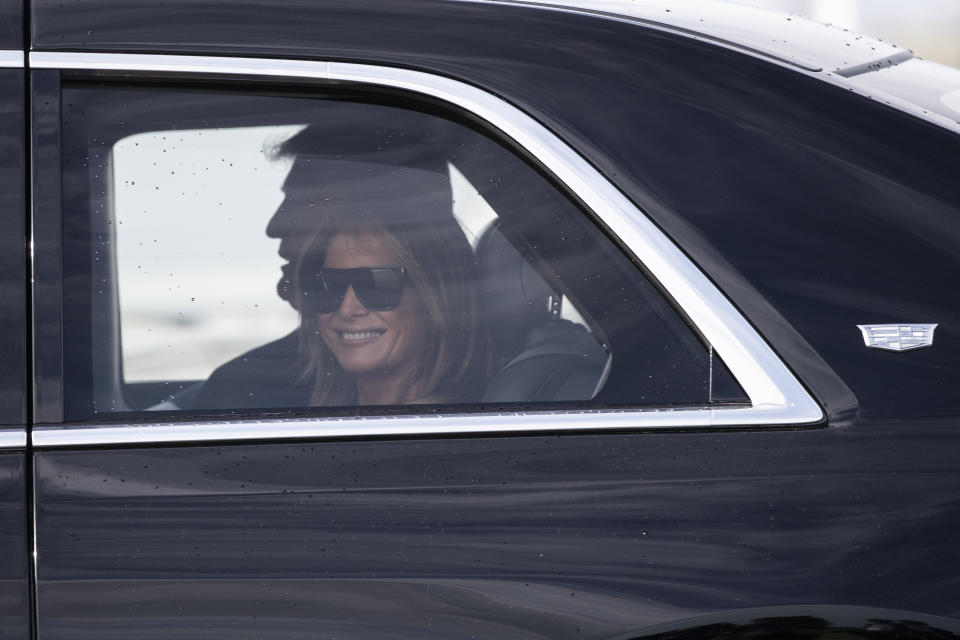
point(475, 319)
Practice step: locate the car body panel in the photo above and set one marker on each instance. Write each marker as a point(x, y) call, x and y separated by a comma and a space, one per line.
point(14, 560)
point(15, 611)
point(795, 39)
point(927, 84)
point(13, 293)
point(11, 24)
point(586, 534)
point(47, 276)
point(549, 536)
point(792, 38)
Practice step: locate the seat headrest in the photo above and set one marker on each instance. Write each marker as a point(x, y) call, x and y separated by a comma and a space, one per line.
point(513, 297)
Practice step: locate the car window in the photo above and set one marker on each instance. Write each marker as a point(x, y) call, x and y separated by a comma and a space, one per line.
point(227, 252)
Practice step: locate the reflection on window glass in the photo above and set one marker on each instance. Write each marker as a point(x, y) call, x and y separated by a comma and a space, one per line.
point(381, 272)
point(275, 253)
point(192, 295)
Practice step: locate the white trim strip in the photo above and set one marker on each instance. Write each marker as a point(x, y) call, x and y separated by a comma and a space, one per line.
point(313, 69)
point(13, 438)
point(367, 426)
point(777, 397)
point(11, 59)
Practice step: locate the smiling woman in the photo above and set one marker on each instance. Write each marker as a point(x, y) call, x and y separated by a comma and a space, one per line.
point(383, 276)
point(392, 349)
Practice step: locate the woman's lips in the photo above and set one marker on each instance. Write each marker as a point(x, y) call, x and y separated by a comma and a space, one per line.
point(356, 338)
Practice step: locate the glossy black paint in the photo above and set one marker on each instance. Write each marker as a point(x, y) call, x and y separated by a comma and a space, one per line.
point(807, 621)
point(593, 536)
point(11, 24)
point(13, 260)
point(813, 208)
point(14, 559)
point(48, 275)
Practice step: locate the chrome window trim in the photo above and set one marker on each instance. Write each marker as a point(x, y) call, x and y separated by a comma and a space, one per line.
point(498, 423)
point(11, 59)
point(13, 438)
point(777, 397)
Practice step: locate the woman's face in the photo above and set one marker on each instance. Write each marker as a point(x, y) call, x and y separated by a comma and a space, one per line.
point(364, 342)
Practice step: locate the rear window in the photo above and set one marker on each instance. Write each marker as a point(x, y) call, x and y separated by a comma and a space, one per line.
point(257, 253)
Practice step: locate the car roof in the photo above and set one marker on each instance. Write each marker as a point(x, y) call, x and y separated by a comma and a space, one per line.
point(790, 38)
point(469, 31)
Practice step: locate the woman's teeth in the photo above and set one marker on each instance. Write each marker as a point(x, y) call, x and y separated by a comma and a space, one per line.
point(362, 335)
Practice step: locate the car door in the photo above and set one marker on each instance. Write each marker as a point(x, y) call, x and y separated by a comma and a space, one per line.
point(659, 500)
point(164, 507)
point(14, 529)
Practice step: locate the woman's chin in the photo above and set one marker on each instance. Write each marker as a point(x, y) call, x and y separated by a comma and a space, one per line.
point(363, 359)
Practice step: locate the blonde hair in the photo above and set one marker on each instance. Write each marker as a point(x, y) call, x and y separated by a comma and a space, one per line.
point(456, 361)
point(383, 170)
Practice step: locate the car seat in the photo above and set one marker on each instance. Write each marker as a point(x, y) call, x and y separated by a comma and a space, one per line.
point(542, 357)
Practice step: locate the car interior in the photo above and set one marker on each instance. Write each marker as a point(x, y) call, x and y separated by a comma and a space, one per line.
point(540, 260)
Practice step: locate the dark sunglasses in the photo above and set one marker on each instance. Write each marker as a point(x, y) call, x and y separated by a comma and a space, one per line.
point(377, 288)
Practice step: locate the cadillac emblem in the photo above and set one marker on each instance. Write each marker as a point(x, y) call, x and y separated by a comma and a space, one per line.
point(897, 337)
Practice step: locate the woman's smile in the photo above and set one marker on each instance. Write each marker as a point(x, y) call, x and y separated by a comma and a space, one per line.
point(359, 337)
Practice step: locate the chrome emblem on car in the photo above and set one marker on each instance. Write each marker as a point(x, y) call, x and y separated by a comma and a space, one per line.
point(897, 337)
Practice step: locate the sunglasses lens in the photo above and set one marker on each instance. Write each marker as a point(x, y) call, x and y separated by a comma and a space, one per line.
point(322, 292)
point(377, 288)
point(380, 288)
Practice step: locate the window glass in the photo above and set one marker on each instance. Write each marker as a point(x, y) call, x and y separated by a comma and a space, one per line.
point(192, 295)
point(230, 253)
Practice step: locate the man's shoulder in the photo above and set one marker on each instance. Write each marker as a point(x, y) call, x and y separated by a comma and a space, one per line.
point(267, 376)
point(281, 353)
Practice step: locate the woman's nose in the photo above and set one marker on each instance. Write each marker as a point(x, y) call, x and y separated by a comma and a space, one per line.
point(351, 305)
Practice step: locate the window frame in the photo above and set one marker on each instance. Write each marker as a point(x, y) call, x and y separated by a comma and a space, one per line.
point(777, 398)
point(13, 409)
